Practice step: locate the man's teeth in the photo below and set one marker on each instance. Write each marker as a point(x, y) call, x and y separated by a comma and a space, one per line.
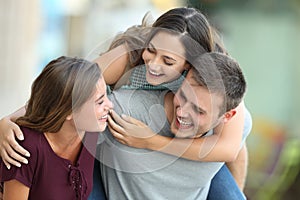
point(154, 73)
point(183, 122)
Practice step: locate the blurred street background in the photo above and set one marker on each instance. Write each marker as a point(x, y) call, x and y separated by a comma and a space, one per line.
point(262, 35)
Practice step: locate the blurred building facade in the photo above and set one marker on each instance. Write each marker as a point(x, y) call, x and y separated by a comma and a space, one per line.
point(20, 23)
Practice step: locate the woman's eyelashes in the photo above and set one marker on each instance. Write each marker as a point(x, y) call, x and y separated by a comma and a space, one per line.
point(167, 60)
point(100, 102)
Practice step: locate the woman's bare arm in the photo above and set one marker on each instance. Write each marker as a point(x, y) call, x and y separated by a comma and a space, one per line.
point(113, 64)
point(15, 190)
point(239, 167)
point(11, 152)
point(125, 50)
point(224, 145)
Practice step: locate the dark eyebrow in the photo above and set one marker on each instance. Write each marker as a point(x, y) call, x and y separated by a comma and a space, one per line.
point(194, 105)
point(198, 108)
point(151, 45)
point(100, 97)
point(182, 94)
point(167, 57)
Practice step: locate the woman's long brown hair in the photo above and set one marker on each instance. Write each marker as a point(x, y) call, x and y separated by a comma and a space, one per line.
point(65, 84)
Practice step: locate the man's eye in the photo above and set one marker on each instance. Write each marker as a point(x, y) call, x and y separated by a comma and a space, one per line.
point(182, 96)
point(197, 110)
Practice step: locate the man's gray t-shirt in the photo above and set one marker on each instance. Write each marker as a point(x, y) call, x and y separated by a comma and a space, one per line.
point(131, 173)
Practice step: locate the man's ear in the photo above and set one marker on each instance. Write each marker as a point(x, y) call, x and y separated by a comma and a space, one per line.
point(228, 115)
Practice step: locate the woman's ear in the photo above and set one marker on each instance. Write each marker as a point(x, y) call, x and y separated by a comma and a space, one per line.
point(69, 117)
point(187, 66)
point(228, 115)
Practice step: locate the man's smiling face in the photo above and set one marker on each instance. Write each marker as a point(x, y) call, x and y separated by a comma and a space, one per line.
point(196, 110)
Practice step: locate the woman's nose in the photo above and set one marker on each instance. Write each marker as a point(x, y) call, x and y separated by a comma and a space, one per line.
point(154, 64)
point(108, 104)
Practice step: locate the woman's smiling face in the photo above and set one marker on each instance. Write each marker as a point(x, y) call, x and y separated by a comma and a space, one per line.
point(164, 58)
point(92, 116)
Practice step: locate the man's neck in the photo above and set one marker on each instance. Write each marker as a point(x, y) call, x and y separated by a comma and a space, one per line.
point(168, 105)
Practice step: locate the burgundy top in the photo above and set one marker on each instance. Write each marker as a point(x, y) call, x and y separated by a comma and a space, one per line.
point(49, 176)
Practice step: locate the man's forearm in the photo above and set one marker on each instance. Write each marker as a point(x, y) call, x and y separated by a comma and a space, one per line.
point(15, 115)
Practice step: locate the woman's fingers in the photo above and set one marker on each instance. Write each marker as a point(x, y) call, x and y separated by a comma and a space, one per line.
point(115, 126)
point(14, 155)
point(119, 137)
point(8, 161)
point(118, 119)
point(6, 164)
point(115, 133)
point(9, 154)
point(17, 148)
point(130, 120)
point(17, 131)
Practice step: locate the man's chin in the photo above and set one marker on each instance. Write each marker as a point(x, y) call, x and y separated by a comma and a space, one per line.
point(182, 133)
point(185, 134)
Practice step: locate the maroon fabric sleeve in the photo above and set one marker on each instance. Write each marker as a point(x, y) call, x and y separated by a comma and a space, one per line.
point(25, 173)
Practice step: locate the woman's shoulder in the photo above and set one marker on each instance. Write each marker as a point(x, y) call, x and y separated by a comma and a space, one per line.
point(32, 138)
point(31, 132)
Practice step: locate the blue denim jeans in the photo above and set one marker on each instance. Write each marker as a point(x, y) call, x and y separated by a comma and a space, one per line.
point(223, 186)
point(98, 190)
